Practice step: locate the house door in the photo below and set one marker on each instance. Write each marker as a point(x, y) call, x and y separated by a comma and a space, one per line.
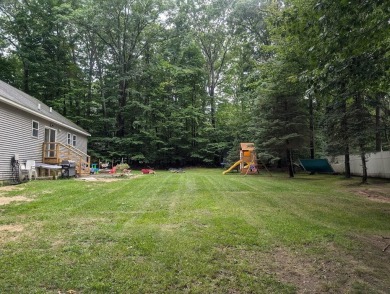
point(50, 136)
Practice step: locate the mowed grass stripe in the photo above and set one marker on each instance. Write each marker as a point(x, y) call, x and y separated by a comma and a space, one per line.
point(196, 232)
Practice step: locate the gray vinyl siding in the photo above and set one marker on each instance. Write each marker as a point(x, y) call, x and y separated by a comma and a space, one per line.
point(22, 101)
point(16, 137)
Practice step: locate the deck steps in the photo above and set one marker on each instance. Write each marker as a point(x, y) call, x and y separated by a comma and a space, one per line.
point(56, 152)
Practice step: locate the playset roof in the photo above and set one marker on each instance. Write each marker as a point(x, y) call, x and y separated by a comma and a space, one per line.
point(247, 146)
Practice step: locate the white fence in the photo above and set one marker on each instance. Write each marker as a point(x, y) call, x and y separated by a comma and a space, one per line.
point(378, 164)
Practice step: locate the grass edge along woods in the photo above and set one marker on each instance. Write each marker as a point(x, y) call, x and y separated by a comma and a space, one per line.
point(197, 232)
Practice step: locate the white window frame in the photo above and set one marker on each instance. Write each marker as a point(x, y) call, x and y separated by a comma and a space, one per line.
point(35, 131)
point(69, 139)
point(74, 140)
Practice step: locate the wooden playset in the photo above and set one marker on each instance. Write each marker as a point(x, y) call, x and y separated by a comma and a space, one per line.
point(248, 160)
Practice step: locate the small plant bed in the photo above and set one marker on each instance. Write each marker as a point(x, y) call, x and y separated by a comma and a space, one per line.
point(195, 232)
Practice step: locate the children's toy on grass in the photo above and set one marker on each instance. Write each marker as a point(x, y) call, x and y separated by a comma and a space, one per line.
point(94, 168)
point(146, 171)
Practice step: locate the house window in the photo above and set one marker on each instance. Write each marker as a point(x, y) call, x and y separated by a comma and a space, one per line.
point(74, 141)
point(69, 139)
point(35, 128)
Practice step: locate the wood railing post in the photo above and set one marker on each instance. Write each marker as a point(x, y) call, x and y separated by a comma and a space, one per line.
point(58, 153)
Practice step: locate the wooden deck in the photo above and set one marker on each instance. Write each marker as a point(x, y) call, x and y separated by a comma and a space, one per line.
point(56, 152)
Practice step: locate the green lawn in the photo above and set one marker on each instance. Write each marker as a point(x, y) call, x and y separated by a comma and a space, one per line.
point(195, 232)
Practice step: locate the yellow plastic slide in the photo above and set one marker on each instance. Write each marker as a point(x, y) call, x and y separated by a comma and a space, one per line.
point(233, 166)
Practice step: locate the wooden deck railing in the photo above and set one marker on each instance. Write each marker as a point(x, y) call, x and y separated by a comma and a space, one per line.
point(56, 152)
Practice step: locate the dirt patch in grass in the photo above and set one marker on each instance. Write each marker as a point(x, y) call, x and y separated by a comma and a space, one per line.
point(9, 233)
point(334, 270)
point(107, 179)
point(11, 228)
point(376, 243)
point(375, 190)
point(306, 274)
point(8, 200)
point(169, 227)
point(10, 188)
point(68, 292)
point(374, 195)
point(293, 269)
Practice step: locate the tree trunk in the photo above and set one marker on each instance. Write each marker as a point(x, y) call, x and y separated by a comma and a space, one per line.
point(102, 96)
point(312, 153)
point(362, 123)
point(289, 163)
point(364, 166)
point(378, 139)
point(344, 126)
point(26, 77)
point(64, 109)
point(347, 163)
point(212, 101)
point(89, 94)
point(121, 132)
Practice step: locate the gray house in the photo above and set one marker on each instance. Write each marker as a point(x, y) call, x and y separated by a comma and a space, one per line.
point(31, 130)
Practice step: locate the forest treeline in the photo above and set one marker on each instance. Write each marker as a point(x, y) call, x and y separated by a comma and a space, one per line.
point(178, 82)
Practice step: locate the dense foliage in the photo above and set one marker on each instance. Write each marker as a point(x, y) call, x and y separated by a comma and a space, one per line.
point(179, 82)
